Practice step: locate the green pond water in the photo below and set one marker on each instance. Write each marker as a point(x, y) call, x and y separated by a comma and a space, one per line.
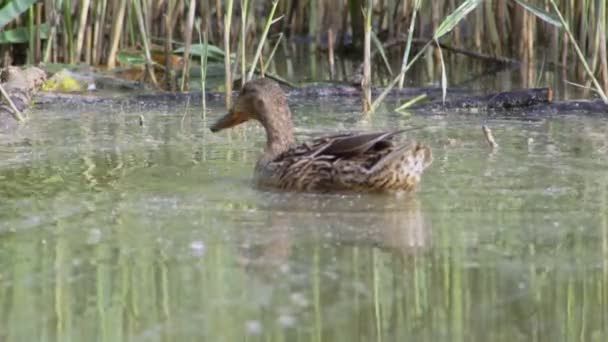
point(114, 232)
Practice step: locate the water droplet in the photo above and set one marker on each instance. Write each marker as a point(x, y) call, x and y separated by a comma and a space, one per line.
point(198, 248)
point(287, 320)
point(94, 236)
point(299, 299)
point(253, 327)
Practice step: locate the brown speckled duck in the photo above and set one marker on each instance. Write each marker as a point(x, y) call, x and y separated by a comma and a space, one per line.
point(357, 162)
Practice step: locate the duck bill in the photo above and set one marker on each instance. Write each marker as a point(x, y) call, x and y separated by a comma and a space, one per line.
point(231, 119)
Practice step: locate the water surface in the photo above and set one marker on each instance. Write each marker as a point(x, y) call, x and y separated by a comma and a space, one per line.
point(110, 231)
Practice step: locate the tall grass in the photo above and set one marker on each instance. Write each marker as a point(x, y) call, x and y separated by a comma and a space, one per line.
point(227, 61)
point(366, 82)
point(188, 42)
point(244, 21)
point(269, 21)
point(408, 46)
point(79, 31)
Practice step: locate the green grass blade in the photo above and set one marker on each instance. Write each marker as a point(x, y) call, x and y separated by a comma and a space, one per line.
point(540, 13)
point(408, 46)
point(382, 52)
point(394, 82)
point(411, 102)
point(455, 17)
point(214, 52)
point(580, 54)
point(274, 49)
point(258, 52)
point(202, 40)
point(444, 78)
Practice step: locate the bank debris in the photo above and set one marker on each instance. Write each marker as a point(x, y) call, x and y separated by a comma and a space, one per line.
point(19, 87)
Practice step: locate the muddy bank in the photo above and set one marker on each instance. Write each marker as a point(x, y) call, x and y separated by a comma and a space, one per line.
point(18, 87)
point(535, 100)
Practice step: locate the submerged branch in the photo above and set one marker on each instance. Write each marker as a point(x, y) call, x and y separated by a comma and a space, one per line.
point(487, 132)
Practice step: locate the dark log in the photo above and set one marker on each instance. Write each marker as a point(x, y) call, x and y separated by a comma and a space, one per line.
point(535, 101)
point(582, 106)
point(503, 100)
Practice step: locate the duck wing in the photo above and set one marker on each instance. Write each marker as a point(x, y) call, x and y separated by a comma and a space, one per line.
point(346, 145)
point(351, 145)
point(357, 144)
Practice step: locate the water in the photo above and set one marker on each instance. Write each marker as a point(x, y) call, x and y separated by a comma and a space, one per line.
point(110, 231)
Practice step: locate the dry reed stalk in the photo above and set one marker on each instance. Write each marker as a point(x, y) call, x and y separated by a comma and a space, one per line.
point(99, 43)
point(236, 65)
point(219, 19)
point(97, 14)
point(262, 67)
point(228, 76)
point(145, 11)
point(518, 32)
point(52, 18)
point(492, 28)
point(379, 13)
point(496, 22)
point(68, 38)
point(116, 33)
point(367, 66)
point(603, 42)
point(390, 17)
point(188, 44)
point(580, 55)
point(82, 25)
point(478, 28)
point(204, 71)
point(38, 49)
point(269, 22)
point(158, 11)
point(457, 34)
point(88, 38)
point(530, 55)
point(356, 21)
point(244, 27)
point(204, 15)
point(410, 35)
point(581, 7)
point(564, 54)
point(330, 44)
point(487, 132)
point(343, 25)
point(15, 112)
point(169, 84)
point(288, 60)
point(274, 50)
point(144, 37)
point(31, 54)
point(176, 15)
point(312, 21)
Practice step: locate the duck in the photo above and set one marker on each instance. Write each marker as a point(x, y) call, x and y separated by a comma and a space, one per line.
point(363, 162)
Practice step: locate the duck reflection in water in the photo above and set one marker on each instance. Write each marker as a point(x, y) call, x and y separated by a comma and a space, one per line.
point(302, 222)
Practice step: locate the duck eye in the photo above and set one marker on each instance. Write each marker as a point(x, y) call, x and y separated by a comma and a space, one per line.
point(259, 105)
